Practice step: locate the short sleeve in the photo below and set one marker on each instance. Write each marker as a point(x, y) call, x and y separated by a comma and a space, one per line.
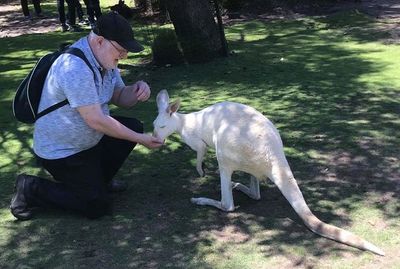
point(77, 81)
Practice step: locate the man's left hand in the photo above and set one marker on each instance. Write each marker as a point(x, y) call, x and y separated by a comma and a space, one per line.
point(142, 91)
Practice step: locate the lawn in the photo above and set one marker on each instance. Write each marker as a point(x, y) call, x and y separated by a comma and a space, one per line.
point(332, 87)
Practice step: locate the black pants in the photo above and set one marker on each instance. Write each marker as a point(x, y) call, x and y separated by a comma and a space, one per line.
point(36, 5)
point(93, 9)
point(82, 178)
point(79, 10)
point(71, 11)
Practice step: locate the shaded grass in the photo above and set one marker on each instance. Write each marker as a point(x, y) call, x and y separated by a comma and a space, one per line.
point(330, 86)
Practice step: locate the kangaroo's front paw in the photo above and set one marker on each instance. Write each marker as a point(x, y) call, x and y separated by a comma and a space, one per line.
point(200, 171)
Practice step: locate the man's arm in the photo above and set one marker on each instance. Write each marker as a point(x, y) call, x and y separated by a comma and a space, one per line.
point(95, 118)
point(129, 95)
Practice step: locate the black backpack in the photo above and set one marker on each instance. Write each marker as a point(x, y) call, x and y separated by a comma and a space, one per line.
point(27, 98)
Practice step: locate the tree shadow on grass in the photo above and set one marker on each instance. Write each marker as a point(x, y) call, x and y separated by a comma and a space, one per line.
point(315, 97)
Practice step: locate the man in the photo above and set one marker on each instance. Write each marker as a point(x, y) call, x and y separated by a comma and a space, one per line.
point(80, 144)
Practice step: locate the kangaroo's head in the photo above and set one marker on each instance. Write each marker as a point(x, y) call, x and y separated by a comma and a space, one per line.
point(165, 123)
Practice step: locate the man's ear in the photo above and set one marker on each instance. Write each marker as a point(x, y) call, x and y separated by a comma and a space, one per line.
point(100, 39)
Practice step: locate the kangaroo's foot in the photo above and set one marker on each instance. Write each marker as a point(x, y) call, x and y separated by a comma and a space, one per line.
point(212, 202)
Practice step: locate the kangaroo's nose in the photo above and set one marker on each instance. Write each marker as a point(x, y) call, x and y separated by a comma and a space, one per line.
point(155, 134)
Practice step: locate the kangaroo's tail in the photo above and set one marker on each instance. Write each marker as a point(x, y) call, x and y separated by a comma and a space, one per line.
point(286, 183)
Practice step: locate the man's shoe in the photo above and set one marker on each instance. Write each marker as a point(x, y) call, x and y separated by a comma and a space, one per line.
point(117, 186)
point(19, 205)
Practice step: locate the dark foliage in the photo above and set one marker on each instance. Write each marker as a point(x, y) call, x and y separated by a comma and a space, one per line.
point(165, 48)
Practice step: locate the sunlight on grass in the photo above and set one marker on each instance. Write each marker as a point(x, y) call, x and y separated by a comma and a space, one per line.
point(329, 84)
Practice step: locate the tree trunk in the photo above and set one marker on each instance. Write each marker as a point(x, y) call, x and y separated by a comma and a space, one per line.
point(196, 29)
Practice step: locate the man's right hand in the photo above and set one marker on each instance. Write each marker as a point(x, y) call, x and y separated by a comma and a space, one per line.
point(150, 141)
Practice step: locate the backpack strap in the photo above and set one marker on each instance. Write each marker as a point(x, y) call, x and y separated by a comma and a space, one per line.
point(80, 54)
point(77, 52)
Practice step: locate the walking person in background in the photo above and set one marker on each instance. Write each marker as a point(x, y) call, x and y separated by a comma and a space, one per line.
point(36, 6)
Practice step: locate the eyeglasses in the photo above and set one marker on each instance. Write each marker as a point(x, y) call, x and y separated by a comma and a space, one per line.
point(122, 52)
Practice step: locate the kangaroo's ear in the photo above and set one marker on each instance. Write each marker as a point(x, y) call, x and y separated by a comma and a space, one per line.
point(173, 107)
point(162, 100)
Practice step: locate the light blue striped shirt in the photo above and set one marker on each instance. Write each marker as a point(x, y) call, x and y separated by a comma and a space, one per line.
point(63, 132)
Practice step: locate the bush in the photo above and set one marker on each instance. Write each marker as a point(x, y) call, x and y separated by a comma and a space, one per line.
point(166, 49)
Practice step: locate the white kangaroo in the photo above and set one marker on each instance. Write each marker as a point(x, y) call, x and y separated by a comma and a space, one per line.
point(244, 140)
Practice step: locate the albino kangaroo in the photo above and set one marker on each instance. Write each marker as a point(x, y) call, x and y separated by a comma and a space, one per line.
point(244, 140)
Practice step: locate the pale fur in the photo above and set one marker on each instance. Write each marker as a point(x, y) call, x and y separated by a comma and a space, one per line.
point(244, 140)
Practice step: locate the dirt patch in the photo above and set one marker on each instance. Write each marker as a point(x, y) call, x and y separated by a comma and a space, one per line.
point(231, 234)
point(13, 23)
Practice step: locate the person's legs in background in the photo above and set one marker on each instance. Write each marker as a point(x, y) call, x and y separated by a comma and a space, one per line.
point(72, 16)
point(38, 9)
point(79, 11)
point(25, 9)
point(96, 8)
point(61, 15)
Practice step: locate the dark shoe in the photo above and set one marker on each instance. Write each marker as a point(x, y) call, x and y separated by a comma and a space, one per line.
point(40, 15)
point(117, 186)
point(82, 21)
point(64, 27)
point(19, 206)
point(75, 28)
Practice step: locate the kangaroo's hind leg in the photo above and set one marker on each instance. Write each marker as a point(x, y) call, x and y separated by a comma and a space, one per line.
point(226, 203)
point(253, 191)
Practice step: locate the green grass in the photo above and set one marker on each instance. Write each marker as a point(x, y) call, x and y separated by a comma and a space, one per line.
point(330, 85)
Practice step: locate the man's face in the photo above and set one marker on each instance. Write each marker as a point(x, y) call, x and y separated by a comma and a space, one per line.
point(110, 53)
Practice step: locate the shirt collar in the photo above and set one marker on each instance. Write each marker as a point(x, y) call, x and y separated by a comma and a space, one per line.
point(83, 44)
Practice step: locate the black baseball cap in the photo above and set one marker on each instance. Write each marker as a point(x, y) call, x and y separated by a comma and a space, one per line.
point(113, 26)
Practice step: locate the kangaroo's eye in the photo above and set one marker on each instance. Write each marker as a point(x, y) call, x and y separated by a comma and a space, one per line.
point(161, 127)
